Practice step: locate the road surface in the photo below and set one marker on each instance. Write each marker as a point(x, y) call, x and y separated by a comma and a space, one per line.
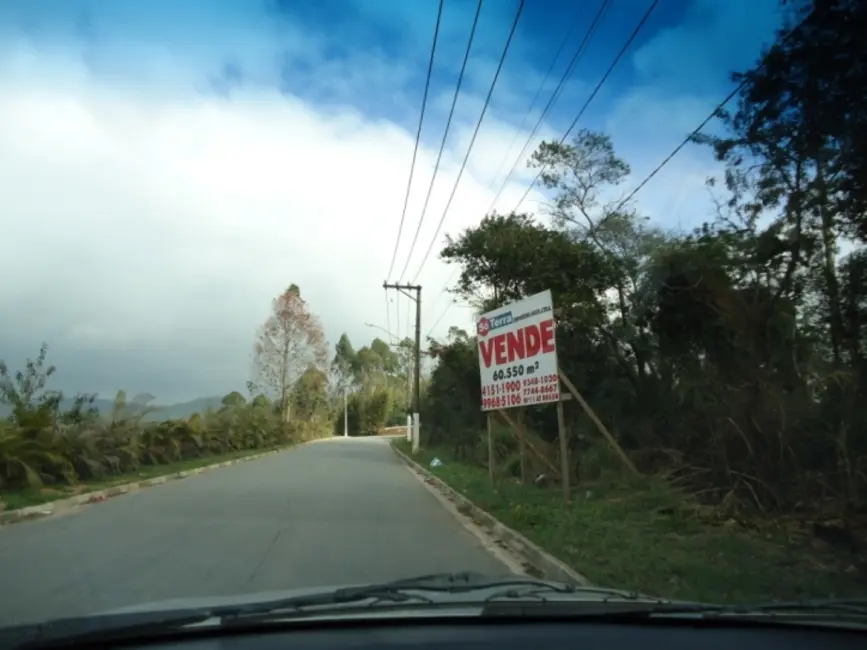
point(331, 512)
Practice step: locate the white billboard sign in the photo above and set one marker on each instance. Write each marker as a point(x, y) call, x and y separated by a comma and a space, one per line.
point(518, 354)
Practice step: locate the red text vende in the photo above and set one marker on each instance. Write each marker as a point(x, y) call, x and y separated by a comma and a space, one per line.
point(523, 343)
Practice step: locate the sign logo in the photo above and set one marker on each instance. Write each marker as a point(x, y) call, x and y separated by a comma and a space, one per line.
point(486, 324)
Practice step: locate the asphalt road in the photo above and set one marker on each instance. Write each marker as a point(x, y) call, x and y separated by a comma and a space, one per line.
point(328, 513)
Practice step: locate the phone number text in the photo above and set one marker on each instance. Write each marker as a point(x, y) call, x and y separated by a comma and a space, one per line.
point(526, 391)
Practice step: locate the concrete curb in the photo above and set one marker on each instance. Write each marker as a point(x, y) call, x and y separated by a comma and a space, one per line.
point(50, 508)
point(537, 561)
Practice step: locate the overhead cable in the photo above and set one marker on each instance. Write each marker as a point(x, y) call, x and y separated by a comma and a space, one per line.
point(475, 134)
point(602, 81)
point(417, 136)
point(445, 137)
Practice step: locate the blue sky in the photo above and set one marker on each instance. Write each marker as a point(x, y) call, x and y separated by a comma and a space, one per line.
point(175, 164)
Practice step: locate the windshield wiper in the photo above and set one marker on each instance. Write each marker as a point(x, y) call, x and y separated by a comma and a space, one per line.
point(399, 592)
point(117, 627)
point(94, 629)
point(113, 627)
point(504, 596)
point(424, 588)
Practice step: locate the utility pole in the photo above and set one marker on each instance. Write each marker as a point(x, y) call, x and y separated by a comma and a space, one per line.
point(408, 290)
point(345, 414)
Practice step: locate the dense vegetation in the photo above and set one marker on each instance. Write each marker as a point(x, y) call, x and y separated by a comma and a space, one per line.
point(376, 379)
point(42, 444)
point(45, 440)
point(291, 365)
point(729, 359)
point(294, 395)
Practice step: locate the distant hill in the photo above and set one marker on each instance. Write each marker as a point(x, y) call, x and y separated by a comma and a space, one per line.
point(161, 411)
point(185, 409)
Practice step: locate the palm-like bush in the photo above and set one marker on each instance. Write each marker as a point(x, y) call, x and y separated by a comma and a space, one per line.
point(42, 444)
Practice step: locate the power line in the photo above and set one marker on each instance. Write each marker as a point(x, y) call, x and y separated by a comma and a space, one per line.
point(538, 94)
point(678, 148)
point(602, 81)
point(705, 122)
point(445, 136)
point(417, 135)
point(475, 134)
point(438, 320)
point(442, 292)
point(455, 271)
point(570, 69)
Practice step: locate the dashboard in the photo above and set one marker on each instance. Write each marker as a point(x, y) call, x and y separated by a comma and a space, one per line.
point(539, 635)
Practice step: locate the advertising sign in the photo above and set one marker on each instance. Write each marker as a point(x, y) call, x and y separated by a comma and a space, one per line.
point(518, 354)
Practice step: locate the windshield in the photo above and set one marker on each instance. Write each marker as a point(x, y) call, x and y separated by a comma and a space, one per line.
point(307, 296)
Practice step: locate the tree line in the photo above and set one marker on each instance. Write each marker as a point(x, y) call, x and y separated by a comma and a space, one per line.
point(45, 444)
point(295, 393)
point(45, 441)
point(731, 357)
point(291, 365)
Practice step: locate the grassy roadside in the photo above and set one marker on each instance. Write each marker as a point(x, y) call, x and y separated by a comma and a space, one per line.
point(640, 535)
point(16, 499)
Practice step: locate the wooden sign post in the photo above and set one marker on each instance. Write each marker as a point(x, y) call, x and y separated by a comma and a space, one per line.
point(490, 447)
point(564, 447)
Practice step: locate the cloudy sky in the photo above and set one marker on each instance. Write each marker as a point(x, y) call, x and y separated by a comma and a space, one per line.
point(167, 167)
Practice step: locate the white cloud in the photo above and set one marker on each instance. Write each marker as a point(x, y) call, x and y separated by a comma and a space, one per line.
point(139, 224)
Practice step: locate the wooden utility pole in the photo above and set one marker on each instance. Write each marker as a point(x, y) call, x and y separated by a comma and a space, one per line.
point(406, 290)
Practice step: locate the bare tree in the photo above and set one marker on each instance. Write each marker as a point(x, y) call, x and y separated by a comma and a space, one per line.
point(287, 344)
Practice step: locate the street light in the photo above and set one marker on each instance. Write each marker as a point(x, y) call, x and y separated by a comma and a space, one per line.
point(391, 337)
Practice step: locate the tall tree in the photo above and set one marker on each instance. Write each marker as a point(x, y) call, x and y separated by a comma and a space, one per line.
point(374, 364)
point(817, 73)
point(406, 364)
point(287, 344)
point(343, 364)
point(508, 257)
point(585, 174)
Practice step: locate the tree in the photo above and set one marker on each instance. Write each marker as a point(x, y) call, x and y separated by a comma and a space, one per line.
point(817, 74)
point(33, 406)
point(233, 399)
point(287, 344)
point(377, 377)
point(451, 406)
point(309, 395)
point(367, 413)
point(507, 257)
point(405, 373)
point(343, 364)
point(374, 364)
point(585, 174)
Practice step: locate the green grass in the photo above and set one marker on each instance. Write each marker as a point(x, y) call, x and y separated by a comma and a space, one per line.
point(21, 498)
point(639, 534)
